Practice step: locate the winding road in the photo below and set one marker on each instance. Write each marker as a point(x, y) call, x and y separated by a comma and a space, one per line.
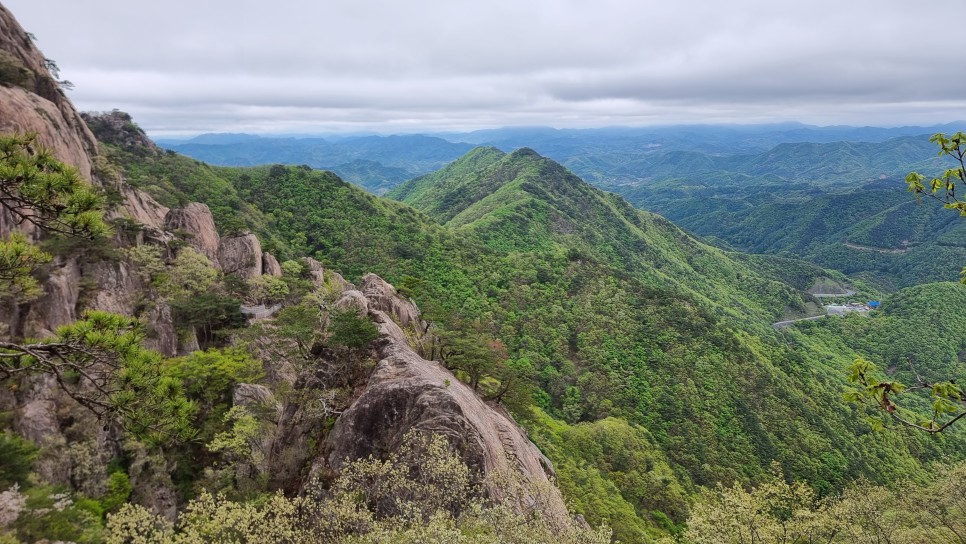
point(782, 324)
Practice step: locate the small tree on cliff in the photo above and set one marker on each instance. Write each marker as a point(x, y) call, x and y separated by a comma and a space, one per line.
point(38, 190)
point(351, 331)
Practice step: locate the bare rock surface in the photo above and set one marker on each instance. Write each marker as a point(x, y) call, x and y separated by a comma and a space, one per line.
point(353, 299)
point(117, 290)
point(37, 420)
point(141, 207)
point(387, 326)
point(270, 266)
point(32, 101)
point(383, 297)
point(196, 222)
point(408, 392)
point(241, 255)
point(162, 336)
point(58, 304)
point(336, 279)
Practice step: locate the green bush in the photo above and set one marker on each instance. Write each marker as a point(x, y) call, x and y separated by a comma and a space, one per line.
point(210, 375)
point(17, 457)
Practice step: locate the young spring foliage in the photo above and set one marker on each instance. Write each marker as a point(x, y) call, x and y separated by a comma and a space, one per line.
point(423, 493)
point(943, 187)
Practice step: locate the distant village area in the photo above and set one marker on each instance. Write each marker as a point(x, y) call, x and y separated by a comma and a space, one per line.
point(861, 307)
point(835, 310)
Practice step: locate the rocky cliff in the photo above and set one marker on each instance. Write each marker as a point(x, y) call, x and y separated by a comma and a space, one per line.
point(404, 392)
point(407, 392)
point(32, 101)
point(196, 224)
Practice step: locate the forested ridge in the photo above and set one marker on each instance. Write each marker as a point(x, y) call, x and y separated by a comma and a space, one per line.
point(628, 329)
point(831, 195)
point(518, 335)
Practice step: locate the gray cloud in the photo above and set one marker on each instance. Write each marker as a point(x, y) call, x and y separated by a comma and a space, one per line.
point(301, 66)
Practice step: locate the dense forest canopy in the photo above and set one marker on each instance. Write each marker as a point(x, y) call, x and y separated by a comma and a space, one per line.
point(612, 315)
point(494, 351)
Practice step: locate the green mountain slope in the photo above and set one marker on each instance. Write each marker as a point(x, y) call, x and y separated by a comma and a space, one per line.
point(376, 163)
point(653, 344)
point(876, 231)
point(841, 205)
point(522, 202)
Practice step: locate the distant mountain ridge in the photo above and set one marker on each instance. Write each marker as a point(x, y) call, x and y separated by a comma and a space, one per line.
point(374, 162)
point(818, 201)
point(722, 182)
point(627, 326)
point(602, 156)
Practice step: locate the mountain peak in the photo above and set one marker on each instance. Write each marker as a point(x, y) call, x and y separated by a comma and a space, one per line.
point(525, 152)
point(482, 173)
point(118, 128)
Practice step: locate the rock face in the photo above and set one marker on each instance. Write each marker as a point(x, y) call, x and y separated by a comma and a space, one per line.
point(353, 300)
point(151, 485)
point(257, 397)
point(37, 420)
point(162, 335)
point(141, 207)
point(31, 100)
point(270, 266)
point(58, 306)
point(241, 255)
point(196, 222)
point(408, 392)
point(383, 297)
point(118, 290)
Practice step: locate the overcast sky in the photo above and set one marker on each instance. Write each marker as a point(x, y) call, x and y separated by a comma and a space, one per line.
point(189, 66)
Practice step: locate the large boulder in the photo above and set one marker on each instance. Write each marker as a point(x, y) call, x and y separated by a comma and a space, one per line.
point(352, 300)
point(407, 392)
point(320, 275)
point(196, 222)
point(316, 271)
point(270, 266)
point(241, 255)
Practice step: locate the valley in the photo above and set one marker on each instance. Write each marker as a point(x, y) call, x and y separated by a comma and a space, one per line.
point(785, 191)
point(681, 334)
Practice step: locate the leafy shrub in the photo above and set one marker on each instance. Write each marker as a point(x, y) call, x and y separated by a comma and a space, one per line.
point(351, 331)
point(422, 494)
point(210, 375)
point(18, 456)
